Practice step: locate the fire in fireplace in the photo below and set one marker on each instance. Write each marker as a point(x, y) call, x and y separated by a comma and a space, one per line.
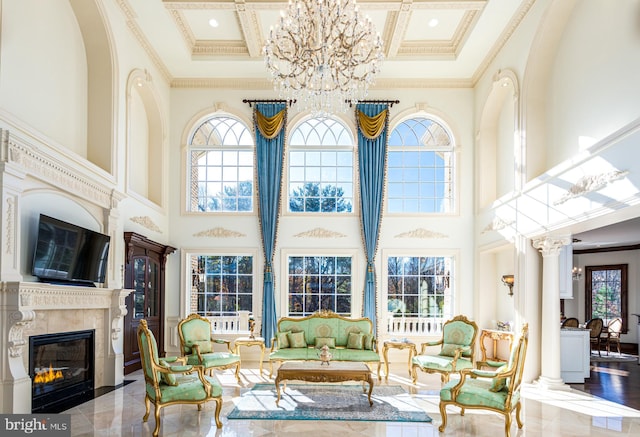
point(62, 370)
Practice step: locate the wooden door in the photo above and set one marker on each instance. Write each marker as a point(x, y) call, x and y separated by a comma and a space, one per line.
point(144, 274)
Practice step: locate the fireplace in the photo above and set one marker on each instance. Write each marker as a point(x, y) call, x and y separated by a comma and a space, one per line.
point(61, 367)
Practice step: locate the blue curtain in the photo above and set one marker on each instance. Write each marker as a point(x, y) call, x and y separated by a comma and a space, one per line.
point(372, 155)
point(269, 156)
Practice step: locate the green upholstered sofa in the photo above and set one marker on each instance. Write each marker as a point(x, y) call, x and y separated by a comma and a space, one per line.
point(300, 339)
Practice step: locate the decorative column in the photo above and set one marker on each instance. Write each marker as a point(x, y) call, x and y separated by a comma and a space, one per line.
point(550, 247)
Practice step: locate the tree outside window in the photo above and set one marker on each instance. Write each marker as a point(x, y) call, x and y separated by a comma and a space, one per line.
point(419, 286)
point(606, 293)
point(222, 285)
point(319, 283)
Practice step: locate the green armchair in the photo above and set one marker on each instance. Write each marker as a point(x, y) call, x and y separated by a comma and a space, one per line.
point(497, 391)
point(169, 385)
point(457, 350)
point(196, 343)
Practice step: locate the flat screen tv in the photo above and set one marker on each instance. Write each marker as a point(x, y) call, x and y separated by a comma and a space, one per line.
point(69, 254)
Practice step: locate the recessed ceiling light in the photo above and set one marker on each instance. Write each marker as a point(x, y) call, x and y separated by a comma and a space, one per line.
point(213, 22)
point(433, 22)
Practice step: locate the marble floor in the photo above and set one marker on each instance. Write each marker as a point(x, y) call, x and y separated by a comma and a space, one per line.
point(546, 413)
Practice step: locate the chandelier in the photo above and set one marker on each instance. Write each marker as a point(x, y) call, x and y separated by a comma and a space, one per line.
point(323, 54)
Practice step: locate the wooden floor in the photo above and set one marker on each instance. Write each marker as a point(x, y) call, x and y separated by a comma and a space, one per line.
point(614, 381)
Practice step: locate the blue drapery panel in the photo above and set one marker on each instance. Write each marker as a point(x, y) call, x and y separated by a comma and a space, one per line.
point(269, 157)
point(372, 155)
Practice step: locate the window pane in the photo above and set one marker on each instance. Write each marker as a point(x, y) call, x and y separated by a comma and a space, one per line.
point(420, 168)
point(418, 288)
point(319, 282)
point(221, 285)
point(225, 153)
point(321, 177)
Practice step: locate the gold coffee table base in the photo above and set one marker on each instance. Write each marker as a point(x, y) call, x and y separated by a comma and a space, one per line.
point(314, 371)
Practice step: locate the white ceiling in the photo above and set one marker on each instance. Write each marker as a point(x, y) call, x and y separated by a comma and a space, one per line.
point(624, 233)
point(179, 39)
point(185, 48)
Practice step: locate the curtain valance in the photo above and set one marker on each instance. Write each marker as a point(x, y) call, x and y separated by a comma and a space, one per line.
point(372, 127)
point(270, 127)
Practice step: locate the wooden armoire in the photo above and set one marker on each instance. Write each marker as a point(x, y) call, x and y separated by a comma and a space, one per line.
point(144, 273)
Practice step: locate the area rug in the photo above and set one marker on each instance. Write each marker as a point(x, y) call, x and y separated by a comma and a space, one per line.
point(613, 357)
point(391, 403)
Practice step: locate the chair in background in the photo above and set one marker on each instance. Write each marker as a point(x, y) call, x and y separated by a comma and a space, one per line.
point(497, 391)
point(196, 343)
point(457, 349)
point(612, 334)
point(170, 385)
point(570, 322)
point(595, 325)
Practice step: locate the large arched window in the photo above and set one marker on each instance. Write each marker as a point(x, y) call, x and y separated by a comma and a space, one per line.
point(321, 167)
point(221, 163)
point(420, 168)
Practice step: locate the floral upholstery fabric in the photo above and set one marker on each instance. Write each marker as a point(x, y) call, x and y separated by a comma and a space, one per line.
point(283, 339)
point(317, 328)
point(475, 392)
point(188, 388)
point(325, 341)
point(196, 331)
point(355, 340)
point(458, 333)
point(214, 359)
point(167, 378)
point(296, 339)
point(442, 363)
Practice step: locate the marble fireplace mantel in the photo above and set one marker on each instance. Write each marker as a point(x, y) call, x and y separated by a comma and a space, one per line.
point(33, 308)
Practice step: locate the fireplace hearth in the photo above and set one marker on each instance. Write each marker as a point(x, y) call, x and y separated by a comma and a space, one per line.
point(61, 367)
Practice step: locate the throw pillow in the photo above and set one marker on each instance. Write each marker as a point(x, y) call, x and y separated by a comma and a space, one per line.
point(499, 382)
point(325, 341)
point(296, 339)
point(204, 346)
point(449, 350)
point(283, 339)
point(368, 342)
point(355, 340)
point(167, 378)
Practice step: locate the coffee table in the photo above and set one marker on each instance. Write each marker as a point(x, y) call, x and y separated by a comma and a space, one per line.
point(314, 371)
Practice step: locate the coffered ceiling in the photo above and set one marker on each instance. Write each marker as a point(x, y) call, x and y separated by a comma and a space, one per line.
point(454, 52)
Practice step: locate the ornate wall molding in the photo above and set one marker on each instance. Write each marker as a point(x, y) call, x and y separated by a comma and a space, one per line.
point(587, 184)
point(147, 222)
point(320, 233)
point(421, 233)
point(219, 232)
point(56, 172)
point(497, 224)
point(10, 226)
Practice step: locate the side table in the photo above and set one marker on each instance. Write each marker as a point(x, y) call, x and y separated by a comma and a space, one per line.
point(248, 342)
point(495, 336)
point(397, 344)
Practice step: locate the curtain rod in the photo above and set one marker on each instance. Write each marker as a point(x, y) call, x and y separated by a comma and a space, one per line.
point(250, 102)
point(390, 102)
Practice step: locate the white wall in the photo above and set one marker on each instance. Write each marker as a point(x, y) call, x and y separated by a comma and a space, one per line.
point(43, 82)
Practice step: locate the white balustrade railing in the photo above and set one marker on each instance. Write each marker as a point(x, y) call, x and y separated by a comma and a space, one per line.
point(237, 324)
point(415, 326)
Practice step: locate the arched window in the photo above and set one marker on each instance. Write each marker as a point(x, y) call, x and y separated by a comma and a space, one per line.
point(221, 162)
point(420, 168)
point(321, 167)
